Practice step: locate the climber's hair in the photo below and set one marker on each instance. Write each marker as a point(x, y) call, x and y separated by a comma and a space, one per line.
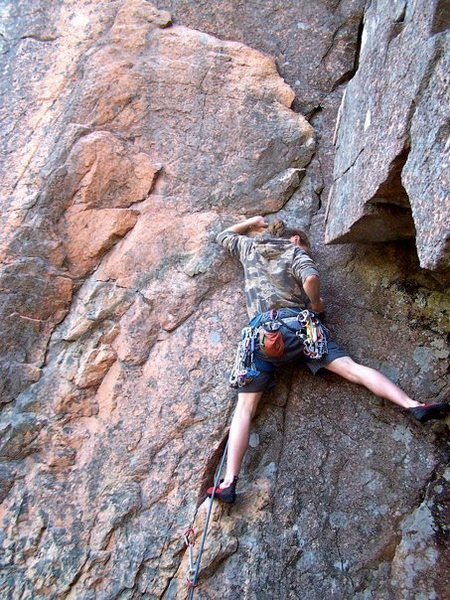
point(278, 229)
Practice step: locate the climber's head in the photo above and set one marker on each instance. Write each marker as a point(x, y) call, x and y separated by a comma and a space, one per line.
point(297, 236)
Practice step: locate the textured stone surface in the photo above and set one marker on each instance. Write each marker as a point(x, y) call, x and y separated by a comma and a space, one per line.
point(119, 334)
point(426, 173)
point(314, 44)
point(424, 545)
point(395, 111)
point(111, 128)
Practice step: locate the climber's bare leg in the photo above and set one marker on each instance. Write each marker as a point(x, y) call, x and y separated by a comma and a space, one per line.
point(240, 433)
point(372, 379)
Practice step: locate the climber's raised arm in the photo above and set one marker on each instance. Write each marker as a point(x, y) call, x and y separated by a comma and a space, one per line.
point(252, 225)
point(234, 239)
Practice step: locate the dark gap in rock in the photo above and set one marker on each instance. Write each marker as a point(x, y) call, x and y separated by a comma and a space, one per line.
point(398, 25)
point(401, 18)
point(348, 75)
point(392, 191)
point(210, 469)
point(382, 222)
point(387, 217)
point(358, 45)
point(169, 23)
point(312, 113)
point(296, 106)
point(37, 38)
point(343, 79)
point(319, 196)
point(396, 30)
point(441, 19)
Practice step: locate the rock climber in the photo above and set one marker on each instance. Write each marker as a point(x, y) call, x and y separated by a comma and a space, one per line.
point(281, 281)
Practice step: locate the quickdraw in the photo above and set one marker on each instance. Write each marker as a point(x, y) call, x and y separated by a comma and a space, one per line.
point(189, 537)
point(312, 334)
point(244, 369)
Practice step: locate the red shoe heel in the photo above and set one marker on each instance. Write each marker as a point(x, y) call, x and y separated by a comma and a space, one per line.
point(227, 494)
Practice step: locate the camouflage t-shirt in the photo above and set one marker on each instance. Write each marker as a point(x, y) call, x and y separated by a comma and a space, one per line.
point(274, 270)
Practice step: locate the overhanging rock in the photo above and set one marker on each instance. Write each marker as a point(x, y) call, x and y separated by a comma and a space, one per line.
point(389, 174)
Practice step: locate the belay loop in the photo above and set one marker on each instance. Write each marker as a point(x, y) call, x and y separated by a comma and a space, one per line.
point(244, 369)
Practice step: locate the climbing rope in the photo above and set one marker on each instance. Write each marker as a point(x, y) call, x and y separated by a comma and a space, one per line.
point(189, 536)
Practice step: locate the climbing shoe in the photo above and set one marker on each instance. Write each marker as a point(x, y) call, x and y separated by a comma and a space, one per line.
point(227, 494)
point(426, 412)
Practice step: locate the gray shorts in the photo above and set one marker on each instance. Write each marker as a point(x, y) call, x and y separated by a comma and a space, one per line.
point(293, 354)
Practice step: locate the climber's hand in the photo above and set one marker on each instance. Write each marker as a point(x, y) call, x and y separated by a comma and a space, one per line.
point(257, 224)
point(318, 306)
point(251, 225)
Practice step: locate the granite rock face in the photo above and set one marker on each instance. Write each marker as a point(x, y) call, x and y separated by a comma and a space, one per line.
point(98, 166)
point(134, 135)
point(315, 45)
point(391, 171)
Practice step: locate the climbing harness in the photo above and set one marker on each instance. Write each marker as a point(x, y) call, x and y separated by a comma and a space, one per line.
point(244, 369)
point(311, 333)
point(263, 334)
point(189, 536)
